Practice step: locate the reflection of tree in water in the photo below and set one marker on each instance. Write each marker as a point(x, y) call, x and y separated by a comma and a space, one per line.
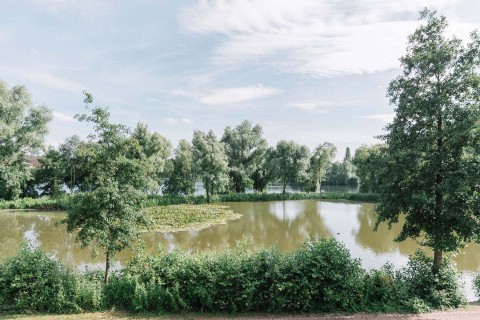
point(286, 223)
point(11, 235)
point(382, 241)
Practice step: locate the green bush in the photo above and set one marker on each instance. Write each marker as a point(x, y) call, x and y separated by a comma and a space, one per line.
point(319, 276)
point(33, 281)
point(441, 290)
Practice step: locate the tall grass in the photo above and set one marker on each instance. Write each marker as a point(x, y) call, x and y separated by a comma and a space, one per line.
point(61, 203)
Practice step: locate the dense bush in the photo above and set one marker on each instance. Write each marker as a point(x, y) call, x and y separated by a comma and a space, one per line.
point(319, 276)
point(33, 281)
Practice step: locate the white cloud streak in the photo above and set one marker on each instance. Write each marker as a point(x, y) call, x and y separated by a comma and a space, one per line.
point(173, 121)
point(387, 118)
point(316, 37)
point(238, 95)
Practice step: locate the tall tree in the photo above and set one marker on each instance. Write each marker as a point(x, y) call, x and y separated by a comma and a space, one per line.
point(108, 215)
point(430, 175)
point(49, 176)
point(320, 162)
point(348, 155)
point(289, 162)
point(23, 128)
point(74, 163)
point(210, 162)
point(153, 150)
point(181, 178)
point(245, 149)
point(368, 160)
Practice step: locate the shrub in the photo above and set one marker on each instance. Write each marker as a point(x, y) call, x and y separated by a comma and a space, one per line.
point(33, 281)
point(441, 290)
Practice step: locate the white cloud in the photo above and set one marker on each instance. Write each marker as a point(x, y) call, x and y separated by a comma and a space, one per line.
point(237, 95)
point(49, 80)
point(312, 105)
point(317, 37)
point(62, 117)
point(387, 118)
point(173, 121)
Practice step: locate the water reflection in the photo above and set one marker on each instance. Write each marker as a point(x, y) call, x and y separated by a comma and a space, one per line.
point(283, 223)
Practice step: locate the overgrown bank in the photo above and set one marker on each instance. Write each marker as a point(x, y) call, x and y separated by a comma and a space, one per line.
point(61, 203)
point(319, 276)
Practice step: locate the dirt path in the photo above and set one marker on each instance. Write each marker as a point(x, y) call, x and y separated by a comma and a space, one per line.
point(471, 312)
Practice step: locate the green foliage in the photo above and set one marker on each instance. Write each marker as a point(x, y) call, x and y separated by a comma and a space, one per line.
point(289, 162)
point(442, 290)
point(187, 217)
point(33, 281)
point(320, 162)
point(23, 128)
point(245, 149)
point(108, 215)
point(342, 174)
point(181, 176)
point(49, 177)
point(431, 172)
point(152, 149)
point(319, 276)
point(368, 160)
point(210, 162)
point(42, 203)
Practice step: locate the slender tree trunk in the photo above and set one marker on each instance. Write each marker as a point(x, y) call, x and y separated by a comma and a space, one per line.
point(107, 265)
point(437, 255)
point(285, 182)
point(207, 189)
point(437, 260)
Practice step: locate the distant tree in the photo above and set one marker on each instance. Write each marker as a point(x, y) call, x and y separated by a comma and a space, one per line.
point(368, 160)
point(210, 162)
point(108, 215)
point(320, 162)
point(264, 171)
point(431, 170)
point(74, 164)
point(181, 177)
point(348, 155)
point(245, 149)
point(23, 128)
point(289, 162)
point(49, 176)
point(342, 174)
point(153, 150)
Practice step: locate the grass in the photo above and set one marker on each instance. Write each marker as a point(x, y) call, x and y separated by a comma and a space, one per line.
point(188, 217)
point(60, 203)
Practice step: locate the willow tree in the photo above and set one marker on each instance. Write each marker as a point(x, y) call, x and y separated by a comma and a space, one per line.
point(246, 150)
point(320, 162)
point(431, 175)
point(210, 162)
point(23, 128)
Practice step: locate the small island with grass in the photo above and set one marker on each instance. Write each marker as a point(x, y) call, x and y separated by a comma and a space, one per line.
point(187, 217)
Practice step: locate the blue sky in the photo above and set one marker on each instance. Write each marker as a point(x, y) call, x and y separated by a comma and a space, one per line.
point(306, 70)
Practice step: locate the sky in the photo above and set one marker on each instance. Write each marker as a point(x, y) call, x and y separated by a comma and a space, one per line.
point(311, 71)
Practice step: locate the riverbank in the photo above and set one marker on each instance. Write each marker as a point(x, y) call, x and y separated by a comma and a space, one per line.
point(61, 203)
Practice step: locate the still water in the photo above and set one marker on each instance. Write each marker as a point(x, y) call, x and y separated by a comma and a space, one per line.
point(283, 223)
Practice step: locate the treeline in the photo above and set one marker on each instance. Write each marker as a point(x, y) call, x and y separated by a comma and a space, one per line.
point(319, 276)
point(238, 160)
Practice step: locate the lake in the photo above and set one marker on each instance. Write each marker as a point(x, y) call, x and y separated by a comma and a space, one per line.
point(283, 223)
